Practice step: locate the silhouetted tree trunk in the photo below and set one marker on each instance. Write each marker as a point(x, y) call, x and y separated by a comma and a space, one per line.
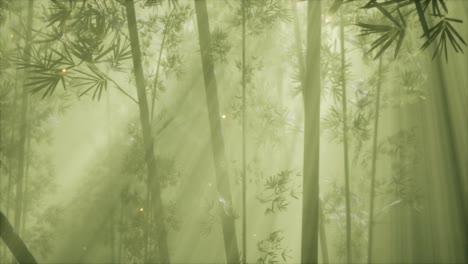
point(323, 237)
point(311, 92)
point(345, 140)
point(121, 232)
point(244, 161)
point(299, 52)
point(300, 60)
point(26, 184)
point(23, 120)
point(14, 242)
point(2, 248)
point(374, 166)
point(217, 141)
point(155, 185)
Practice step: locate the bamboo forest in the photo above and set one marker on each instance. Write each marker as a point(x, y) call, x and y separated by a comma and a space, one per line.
point(233, 131)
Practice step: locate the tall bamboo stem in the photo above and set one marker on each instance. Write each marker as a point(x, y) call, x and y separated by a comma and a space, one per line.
point(300, 59)
point(146, 129)
point(311, 93)
point(219, 155)
point(23, 117)
point(2, 248)
point(323, 236)
point(370, 223)
point(244, 168)
point(26, 184)
point(345, 141)
point(14, 242)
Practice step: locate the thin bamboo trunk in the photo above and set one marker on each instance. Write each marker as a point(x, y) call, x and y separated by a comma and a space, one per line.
point(147, 250)
point(147, 134)
point(323, 237)
point(244, 162)
point(26, 184)
point(147, 215)
point(109, 164)
point(112, 237)
point(2, 247)
point(23, 117)
point(14, 242)
point(299, 52)
point(219, 155)
point(147, 212)
point(163, 42)
point(311, 92)
point(370, 223)
point(345, 141)
point(121, 222)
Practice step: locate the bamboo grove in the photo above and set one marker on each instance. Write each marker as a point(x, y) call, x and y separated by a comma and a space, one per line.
point(233, 131)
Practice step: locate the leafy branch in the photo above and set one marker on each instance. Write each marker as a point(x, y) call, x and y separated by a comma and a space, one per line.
point(277, 188)
point(395, 33)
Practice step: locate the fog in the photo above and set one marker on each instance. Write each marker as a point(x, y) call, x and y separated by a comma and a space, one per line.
point(243, 131)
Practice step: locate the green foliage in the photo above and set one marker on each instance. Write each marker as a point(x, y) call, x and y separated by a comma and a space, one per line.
point(214, 211)
point(396, 12)
point(47, 69)
point(80, 37)
point(402, 150)
point(443, 31)
point(261, 15)
point(334, 213)
point(277, 189)
point(220, 45)
point(389, 34)
point(267, 119)
point(272, 249)
point(41, 237)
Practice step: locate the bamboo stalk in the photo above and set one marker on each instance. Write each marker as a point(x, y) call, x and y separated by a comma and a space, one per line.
point(2, 248)
point(311, 93)
point(163, 41)
point(300, 58)
point(121, 235)
point(244, 168)
point(23, 117)
point(345, 141)
point(299, 52)
point(14, 242)
point(219, 155)
point(323, 237)
point(146, 128)
point(26, 183)
point(370, 223)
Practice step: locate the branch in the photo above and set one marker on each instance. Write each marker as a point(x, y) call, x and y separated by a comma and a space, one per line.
point(14, 242)
point(121, 90)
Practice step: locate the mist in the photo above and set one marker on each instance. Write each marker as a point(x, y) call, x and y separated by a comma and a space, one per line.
point(233, 131)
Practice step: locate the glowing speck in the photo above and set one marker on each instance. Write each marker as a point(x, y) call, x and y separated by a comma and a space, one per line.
point(223, 116)
point(12, 35)
point(141, 209)
point(64, 70)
